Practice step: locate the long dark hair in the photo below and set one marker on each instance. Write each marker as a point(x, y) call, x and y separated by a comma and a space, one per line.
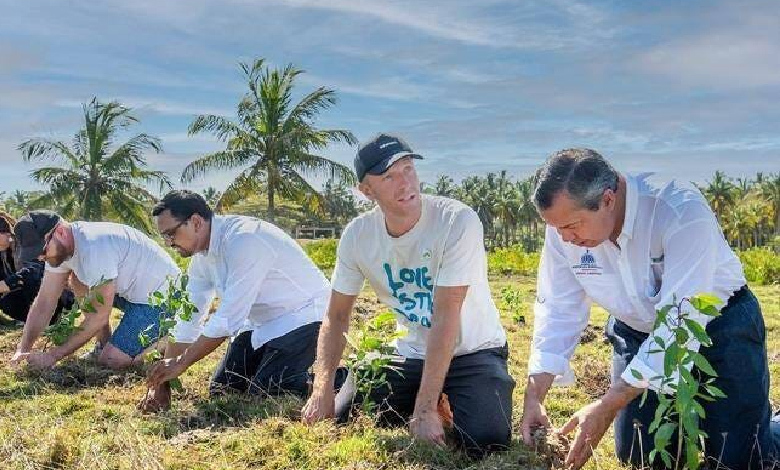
point(7, 224)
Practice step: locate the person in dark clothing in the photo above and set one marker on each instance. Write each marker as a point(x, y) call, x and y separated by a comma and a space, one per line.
point(20, 271)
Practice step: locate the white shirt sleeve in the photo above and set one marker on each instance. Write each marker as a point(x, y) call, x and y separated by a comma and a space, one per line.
point(561, 313)
point(347, 277)
point(201, 291)
point(248, 260)
point(690, 257)
point(463, 261)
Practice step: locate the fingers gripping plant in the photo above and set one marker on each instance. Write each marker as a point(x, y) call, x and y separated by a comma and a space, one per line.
point(174, 303)
point(681, 410)
point(369, 360)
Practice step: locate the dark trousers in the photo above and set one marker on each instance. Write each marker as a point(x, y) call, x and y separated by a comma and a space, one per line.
point(17, 304)
point(279, 366)
point(479, 389)
point(738, 426)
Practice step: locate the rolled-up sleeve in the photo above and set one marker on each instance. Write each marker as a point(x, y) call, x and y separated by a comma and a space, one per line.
point(561, 312)
point(690, 257)
point(248, 260)
point(201, 291)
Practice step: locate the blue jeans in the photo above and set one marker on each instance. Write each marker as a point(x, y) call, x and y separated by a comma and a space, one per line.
point(135, 320)
point(738, 426)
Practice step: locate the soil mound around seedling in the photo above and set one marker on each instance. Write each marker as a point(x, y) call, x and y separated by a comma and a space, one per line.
point(550, 447)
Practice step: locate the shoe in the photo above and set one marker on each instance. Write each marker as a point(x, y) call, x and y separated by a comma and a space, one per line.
point(94, 353)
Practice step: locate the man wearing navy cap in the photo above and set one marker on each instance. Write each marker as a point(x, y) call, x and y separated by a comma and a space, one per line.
point(425, 259)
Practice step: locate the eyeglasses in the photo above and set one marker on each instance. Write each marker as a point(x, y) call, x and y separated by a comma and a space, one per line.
point(170, 234)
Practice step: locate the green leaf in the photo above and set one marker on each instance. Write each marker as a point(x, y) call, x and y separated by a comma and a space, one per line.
point(703, 364)
point(698, 332)
point(715, 391)
point(176, 385)
point(637, 375)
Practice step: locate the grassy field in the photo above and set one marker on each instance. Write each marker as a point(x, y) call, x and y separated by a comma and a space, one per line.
point(81, 416)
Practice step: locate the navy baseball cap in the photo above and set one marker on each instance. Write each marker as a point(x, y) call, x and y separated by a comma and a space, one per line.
point(378, 154)
point(31, 230)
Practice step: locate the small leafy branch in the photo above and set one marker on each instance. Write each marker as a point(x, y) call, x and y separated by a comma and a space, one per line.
point(65, 327)
point(513, 299)
point(174, 302)
point(369, 360)
point(681, 411)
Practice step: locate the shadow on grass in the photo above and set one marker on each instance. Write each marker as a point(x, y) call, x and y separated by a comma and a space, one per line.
point(69, 376)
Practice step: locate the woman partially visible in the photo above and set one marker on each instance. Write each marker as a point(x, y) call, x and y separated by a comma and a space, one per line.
point(20, 276)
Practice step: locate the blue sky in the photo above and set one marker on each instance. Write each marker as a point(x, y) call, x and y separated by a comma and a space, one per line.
point(680, 88)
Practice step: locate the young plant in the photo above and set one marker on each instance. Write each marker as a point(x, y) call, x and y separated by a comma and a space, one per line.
point(174, 302)
point(681, 411)
point(513, 300)
point(369, 360)
point(59, 332)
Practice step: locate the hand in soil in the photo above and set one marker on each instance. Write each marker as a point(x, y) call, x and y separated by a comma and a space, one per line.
point(156, 399)
point(551, 447)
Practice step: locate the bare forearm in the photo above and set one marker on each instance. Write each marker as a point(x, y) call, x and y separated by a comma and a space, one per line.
point(90, 327)
point(199, 349)
point(175, 349)
point(330, 346)
point(538, 386)
point(441, 344)
point(620, 394)
point(38, 318)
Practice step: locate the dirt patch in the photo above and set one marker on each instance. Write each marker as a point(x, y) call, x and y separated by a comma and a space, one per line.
point(550, 447)
point(593, 377)
point(592, 333)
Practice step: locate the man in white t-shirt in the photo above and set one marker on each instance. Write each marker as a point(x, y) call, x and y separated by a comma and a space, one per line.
point(424, 257)
point(634, 246)
point(272, 300)
point(117, 266)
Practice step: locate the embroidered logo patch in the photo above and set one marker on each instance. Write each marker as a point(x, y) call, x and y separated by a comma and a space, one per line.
point(588, 265)
point(426, 254)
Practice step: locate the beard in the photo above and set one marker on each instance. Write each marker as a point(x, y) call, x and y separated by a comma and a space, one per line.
point(59, 254)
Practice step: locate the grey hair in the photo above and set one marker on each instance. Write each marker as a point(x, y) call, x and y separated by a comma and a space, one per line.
point(583, 173)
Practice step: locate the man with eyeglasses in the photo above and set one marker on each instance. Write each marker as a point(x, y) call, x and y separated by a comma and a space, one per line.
point(115, 266)
point(271, 302)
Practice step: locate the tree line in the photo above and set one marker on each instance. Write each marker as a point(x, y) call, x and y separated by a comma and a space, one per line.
point(276, 148)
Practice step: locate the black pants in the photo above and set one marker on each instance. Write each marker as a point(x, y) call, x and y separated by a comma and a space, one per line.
point(279, 366)
point(738, 354)
point(17, 304)
point(479, 389)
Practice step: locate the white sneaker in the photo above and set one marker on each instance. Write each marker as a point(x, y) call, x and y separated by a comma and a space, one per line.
point(94, 353)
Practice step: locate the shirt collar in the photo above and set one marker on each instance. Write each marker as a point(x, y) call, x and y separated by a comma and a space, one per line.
point(632, 202)
point(215, 237)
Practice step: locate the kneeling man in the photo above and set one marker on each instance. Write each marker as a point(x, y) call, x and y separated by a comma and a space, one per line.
point(424, 257)
point(272, 300)
point(116, 266)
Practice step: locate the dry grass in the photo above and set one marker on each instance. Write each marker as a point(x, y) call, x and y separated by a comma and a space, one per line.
point(81, 416)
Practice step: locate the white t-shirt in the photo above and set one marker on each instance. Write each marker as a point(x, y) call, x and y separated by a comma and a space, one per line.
point(444, 248)
point(105, 251)
point(264, 280)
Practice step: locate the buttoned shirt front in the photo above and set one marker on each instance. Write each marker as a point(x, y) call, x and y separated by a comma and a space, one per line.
point(670, 247)
point(264, 280)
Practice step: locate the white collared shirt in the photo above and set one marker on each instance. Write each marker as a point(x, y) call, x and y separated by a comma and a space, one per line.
point(264, 280)
point(671, 246)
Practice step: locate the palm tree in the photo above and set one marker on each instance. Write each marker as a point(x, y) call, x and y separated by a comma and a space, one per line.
point(97, 178)
point(720, 194)
point(273, 140)
point(770, 190)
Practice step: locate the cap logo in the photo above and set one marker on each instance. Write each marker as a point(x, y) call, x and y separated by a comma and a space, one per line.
point(387, 144)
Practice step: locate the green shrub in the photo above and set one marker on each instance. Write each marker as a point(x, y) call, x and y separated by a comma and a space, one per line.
point(322, 252)
point(761, 265)
point(513, 260)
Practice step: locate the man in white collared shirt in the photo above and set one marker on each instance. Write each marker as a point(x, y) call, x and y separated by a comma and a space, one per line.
point(633, 246)
point(272, 300)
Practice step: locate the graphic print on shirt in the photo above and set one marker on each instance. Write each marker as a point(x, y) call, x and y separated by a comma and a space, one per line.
point(588, 265)
point(413, 289)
